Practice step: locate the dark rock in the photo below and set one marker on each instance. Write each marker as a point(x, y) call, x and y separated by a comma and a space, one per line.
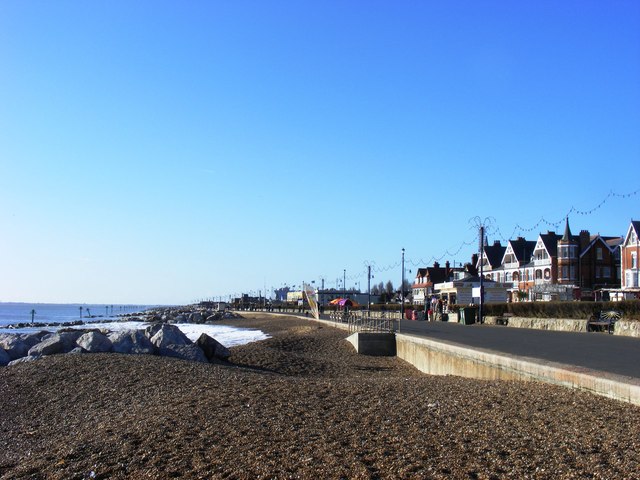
point(152, 329)
point(212, 348)
point(4, 358)
point(192, 352)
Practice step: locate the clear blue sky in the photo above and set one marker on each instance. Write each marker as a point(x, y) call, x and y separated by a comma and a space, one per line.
point(162, 152)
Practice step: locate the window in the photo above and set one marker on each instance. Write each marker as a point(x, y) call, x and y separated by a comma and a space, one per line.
point(634, 260)
point(599, 253)
point(565, 272)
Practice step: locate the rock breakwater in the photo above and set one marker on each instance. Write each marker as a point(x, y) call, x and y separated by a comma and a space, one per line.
point(162, 337)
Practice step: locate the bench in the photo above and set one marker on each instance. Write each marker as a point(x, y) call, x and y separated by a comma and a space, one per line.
point(605, 322)
point(504, 319)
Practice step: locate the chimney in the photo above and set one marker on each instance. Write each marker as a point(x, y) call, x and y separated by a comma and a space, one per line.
point(585, 238)
point(436, 265)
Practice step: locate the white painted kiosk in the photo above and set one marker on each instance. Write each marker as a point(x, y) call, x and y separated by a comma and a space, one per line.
point(465, 291)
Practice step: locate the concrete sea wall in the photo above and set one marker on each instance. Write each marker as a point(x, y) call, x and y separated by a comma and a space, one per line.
point(439, 358)
point(629, 328)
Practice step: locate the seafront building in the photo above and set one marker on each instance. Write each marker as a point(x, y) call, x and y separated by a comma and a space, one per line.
point(630, 256)
point(553, 267)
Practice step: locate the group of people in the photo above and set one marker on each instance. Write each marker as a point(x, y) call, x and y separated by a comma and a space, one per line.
point(435, 308)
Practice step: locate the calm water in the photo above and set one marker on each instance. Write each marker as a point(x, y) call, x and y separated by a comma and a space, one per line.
point(11, 313)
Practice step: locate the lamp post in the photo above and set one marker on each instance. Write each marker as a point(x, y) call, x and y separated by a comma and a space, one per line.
point(401, 293)
point(369, 289)
point(344, 283)
point(481, 273)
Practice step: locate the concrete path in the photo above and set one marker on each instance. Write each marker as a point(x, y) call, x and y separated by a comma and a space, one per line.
point(602, 352)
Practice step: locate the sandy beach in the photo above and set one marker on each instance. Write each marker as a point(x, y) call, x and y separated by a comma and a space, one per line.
point(301, 404)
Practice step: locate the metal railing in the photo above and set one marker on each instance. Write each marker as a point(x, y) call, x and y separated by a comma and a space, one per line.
point(365, 323)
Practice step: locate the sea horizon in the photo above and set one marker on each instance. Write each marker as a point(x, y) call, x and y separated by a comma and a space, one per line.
point(47, 312)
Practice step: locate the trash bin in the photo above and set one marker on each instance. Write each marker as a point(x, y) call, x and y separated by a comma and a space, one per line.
point(467, 315)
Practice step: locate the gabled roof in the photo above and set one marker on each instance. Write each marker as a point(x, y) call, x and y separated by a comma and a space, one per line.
point(494, 254)
point(422, 272)
point(433, 274)
point(611, 243)
point(635, 227)
point(550, 241)
point(437, 274)
point(522, 249)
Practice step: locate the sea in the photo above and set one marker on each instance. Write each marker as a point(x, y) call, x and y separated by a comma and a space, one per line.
point(13, 313)
point(108, 316)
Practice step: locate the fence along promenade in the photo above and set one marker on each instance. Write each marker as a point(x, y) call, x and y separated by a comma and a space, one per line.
point(362, 321)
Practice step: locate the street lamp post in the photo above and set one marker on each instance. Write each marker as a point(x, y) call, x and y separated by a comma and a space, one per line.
point(344, 283)
point(481, 273)
point(401, 293)
point(369, 289)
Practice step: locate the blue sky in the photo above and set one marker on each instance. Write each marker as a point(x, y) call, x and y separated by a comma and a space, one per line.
point(163, 152)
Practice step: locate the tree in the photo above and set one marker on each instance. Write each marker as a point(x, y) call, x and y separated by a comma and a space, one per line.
point(389, 289)
point(406, 288)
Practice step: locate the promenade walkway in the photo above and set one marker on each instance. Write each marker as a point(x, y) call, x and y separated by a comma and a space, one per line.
point(610, 354)
point(604, 364)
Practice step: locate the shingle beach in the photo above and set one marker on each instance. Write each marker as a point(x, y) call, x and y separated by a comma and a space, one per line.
point(301, 404)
